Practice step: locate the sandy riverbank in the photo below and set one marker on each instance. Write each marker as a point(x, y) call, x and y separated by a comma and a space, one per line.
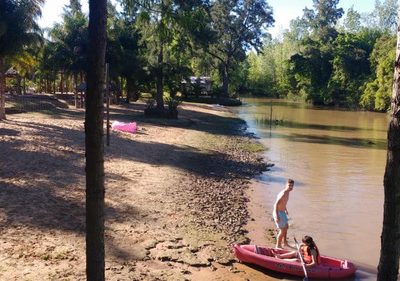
point(178, 193)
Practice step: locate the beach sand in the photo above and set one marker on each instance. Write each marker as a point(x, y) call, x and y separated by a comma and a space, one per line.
point(178, 194)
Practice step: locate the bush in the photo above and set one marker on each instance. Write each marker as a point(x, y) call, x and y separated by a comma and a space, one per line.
point(152, 110)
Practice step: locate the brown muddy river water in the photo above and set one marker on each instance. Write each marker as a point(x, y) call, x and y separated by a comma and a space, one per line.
point(337, 159)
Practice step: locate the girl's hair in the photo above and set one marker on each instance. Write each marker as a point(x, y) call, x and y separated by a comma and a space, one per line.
point(309, 242)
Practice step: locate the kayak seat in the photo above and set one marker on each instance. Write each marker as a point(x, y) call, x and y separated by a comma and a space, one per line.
point(263, 251)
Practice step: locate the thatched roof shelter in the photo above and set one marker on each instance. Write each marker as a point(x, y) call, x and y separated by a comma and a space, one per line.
point(12, 73)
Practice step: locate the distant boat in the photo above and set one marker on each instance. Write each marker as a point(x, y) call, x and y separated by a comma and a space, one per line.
point(329, 268)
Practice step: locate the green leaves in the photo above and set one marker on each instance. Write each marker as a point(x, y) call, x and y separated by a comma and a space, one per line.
point(238, 26)
point(377, 92)
point(18, 27)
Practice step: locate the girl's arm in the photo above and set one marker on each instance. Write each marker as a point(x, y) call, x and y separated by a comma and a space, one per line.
point(314, 258)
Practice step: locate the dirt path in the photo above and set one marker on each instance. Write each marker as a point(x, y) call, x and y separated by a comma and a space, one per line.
point(176, 196)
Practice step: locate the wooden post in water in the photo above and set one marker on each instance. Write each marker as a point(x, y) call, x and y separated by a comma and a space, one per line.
point(270, 121)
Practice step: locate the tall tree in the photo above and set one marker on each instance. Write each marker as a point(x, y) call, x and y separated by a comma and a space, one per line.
point(322, 19)
point(124, 55)
point(352, 22)
point(70, 39)
point(18, 29)
point(157, 19)
point(164, 26)
point(74, 36)
point(388, 267)
point(384, 15)
point(378, 90)
point(26, 62)
point(351, 67)
point(312, 67)
point(238, 26)
point(94, 142)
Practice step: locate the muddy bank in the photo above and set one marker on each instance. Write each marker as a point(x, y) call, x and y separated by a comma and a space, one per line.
point(177, 196)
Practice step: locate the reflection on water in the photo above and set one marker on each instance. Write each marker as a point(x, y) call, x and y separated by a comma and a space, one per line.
point(337, 159)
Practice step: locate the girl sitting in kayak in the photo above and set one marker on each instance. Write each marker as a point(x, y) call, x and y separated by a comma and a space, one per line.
point(308, 250)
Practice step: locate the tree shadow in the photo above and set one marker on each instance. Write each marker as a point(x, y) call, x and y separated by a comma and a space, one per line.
point(9, 132)
point(190, 119)
point(195, 120)
point(40, 207)
point(44, 189)
point(209, 164)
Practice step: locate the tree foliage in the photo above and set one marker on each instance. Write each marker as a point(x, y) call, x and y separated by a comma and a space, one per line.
point(18, 30)
point(378, 90)
point(384, 16)
point(237, 26)
point(327, 61)
point(152, 45)
point(166, 27)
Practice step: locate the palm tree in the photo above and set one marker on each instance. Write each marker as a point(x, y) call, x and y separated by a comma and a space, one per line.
point(18, 30)
point(94, 141)
point(25, 63)
point(388, 267)
point(124, 54)
point(70, 42)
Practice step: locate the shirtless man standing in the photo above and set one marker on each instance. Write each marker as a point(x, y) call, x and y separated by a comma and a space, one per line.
point(280, 214)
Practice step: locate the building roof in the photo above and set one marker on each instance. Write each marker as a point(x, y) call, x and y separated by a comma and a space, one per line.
point(11, 72)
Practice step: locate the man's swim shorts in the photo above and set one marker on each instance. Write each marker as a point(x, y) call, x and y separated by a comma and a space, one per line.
point(283, 220)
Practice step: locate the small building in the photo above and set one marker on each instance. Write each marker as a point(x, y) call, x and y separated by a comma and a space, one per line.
point(201, 85)
point(12, 73)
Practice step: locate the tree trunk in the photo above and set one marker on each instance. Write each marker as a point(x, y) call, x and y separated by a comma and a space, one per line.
point(75, 90)
point(41, 85)
point(61, 82)
point(160, 73)
point(132, 90)
point(19, 87)
point(48, 84)
point(2, 89)
point(388, 267)
point(225, 81)
point(119, 90)
point(121, 80)
point(24, 85)
point(94, 142)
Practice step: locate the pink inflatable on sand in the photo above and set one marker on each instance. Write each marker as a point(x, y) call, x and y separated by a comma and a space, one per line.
point(124, 127)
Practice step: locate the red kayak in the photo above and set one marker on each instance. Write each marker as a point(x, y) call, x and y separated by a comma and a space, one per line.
point(329, 268)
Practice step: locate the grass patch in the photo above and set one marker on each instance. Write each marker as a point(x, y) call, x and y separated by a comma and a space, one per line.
point(46, 257)
point(214, 100)
point(253, 147)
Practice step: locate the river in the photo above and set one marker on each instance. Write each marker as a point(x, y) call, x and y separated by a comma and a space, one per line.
point(337, 159)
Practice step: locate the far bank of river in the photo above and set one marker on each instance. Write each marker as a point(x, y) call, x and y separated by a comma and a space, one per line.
point(337, 159)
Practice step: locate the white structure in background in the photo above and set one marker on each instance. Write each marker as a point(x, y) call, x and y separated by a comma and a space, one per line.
point(203, 82)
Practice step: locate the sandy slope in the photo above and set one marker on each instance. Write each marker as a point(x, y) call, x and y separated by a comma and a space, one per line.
point(176, 197)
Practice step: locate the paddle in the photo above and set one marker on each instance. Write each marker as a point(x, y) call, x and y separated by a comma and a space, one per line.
point(301, 259)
